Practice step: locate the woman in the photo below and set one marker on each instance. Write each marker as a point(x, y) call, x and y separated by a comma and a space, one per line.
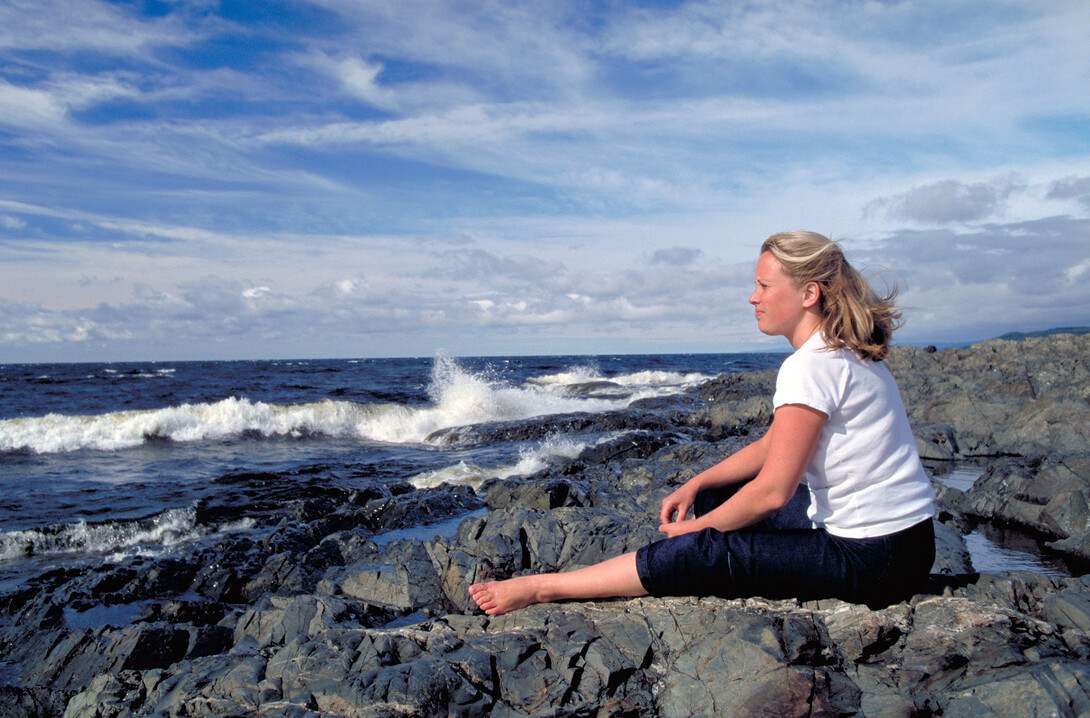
point(859, 529)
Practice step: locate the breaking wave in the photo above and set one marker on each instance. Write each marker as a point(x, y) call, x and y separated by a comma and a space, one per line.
point(530, 461)
point(166, 529)
point(459, 398)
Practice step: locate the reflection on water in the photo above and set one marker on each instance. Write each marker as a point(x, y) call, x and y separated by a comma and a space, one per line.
point(994, 548)
point(428, 532)
point(999, 550)
point(961, 478)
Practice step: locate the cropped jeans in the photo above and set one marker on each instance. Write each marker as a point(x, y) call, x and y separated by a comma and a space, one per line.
point(784, 556)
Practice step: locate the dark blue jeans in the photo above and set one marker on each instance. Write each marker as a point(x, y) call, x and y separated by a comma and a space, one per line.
point(783, 556)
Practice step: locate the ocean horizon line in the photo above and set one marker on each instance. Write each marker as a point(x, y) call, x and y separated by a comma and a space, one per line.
point(938, 345)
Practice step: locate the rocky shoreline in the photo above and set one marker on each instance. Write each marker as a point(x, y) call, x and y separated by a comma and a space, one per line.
point(339, 605)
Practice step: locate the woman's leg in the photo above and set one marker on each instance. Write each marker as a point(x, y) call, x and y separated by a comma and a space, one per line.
point(614, 577)
point(620, 576)
point(775, 564)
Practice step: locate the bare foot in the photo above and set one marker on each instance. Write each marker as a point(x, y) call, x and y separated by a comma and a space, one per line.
point(496, 597)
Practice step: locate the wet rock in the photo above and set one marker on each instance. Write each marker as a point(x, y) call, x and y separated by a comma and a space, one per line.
point(407, 582)
point(281, 573)
point(951, 555)
point(519, 540)
point(542, 427)
point(1050, 496)
point(539, 494)
point(279, 619)
point(342, 548)
point(636, 445)
point(18, 702)
point(671, 657)
point(1068, 609)
point(738, 387)
point(417, 508)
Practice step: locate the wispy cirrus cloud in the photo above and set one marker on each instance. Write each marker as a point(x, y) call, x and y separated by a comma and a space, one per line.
point(71, 26)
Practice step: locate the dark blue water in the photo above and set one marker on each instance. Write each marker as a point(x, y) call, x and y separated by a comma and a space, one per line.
point(105, 459)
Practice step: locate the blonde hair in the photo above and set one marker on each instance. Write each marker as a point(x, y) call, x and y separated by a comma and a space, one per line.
point(852, 313)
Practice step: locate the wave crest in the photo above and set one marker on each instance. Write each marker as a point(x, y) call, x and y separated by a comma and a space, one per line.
point(459, 398)
point(168, 528)
point(531, 460)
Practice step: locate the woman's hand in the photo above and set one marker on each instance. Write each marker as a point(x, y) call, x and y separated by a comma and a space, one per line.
point(675, 507)
point(677, 528)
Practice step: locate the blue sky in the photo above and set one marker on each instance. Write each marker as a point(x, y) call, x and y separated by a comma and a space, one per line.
point(204, 180)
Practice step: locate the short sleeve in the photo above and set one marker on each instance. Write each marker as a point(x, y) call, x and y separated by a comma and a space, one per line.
point(808, 377)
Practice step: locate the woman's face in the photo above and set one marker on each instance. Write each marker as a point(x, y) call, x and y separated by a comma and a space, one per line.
point(777, 302)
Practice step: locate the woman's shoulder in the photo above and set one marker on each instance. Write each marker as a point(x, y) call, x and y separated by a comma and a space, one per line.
point(813, 361)
point(817, 351)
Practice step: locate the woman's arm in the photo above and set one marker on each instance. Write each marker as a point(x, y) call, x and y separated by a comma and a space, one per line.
point(784, 452)
point(742, 465)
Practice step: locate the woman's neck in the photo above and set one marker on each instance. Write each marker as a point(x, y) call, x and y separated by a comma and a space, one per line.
point(808, 327)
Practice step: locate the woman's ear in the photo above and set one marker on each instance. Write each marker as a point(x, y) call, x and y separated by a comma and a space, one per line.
point(811, 295)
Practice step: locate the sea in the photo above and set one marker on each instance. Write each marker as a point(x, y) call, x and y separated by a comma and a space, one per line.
point(104, 461)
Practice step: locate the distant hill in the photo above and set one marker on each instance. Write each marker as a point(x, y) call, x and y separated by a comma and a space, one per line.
point(1017, 336)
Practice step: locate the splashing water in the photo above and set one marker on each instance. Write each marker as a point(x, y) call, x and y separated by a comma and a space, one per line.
point(459, 398)
point(532, 459)
point(166, 529)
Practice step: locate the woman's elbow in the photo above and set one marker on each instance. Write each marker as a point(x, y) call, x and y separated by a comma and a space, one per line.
point(776, 499)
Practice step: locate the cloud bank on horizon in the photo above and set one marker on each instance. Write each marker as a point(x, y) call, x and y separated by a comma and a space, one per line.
point(225, 179)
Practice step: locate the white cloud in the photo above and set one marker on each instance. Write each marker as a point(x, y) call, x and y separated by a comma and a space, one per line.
point(986, 281)
point(9, 222)
point(503, 48)
point(953, 279)
point(355, 75)
point(79, 25)
point(25, 107)
point(76, 92)
point(1076, 271)
point(485, 266)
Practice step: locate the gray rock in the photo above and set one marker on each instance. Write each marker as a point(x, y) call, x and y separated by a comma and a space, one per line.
point(1003, 397)
point(19, 702)
point(279, 619)
point(951, 654)
point(951, 554)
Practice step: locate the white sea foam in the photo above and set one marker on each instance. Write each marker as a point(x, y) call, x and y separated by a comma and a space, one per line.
point(228, 418)
point(637, 385)
point(662, 378)
point(531, 460)
point(459, 398)
point(166, 529)
point(576, 375)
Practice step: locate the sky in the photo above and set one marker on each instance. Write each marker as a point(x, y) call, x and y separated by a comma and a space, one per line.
point(367, 178)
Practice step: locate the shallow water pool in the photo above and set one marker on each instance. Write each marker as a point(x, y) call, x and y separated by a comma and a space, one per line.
point(999, 549)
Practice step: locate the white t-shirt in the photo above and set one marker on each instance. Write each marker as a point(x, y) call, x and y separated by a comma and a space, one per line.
point(865, 478)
